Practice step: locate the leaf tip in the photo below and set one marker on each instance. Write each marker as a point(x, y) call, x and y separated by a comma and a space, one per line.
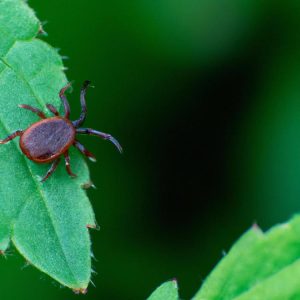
point(26, 265)
point(92, 270)
point(80, 291)
point(175, 283)
point(92, 283)
point(95, 259)
point(93, 226)
point(255, 227)
point(88, 185)
point(41, 30)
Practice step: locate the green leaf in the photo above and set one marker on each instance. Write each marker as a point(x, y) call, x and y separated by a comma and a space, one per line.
point(47, 222)
point(259, 266)
point(167, 291)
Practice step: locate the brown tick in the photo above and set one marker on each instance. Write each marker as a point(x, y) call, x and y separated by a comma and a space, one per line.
point(46, 140)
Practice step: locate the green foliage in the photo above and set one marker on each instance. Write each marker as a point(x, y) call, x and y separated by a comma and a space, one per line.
point(167, 291)
point(259, 266)
point(254, 261)
point(47, 222)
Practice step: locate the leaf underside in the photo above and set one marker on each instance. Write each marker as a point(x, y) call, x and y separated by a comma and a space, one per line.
point(47, 222)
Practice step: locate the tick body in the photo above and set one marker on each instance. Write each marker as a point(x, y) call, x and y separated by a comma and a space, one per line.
point(48, 139)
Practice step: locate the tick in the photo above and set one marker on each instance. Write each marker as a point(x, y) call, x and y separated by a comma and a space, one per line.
point(48, 139)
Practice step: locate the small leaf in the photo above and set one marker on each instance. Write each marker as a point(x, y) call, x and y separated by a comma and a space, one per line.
point(167, 291)
point(259, 266)
point(47, 222)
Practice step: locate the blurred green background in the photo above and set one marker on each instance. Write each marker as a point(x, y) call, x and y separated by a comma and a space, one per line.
point(204, 96)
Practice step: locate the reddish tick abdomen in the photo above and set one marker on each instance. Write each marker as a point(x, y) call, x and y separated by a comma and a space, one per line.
point(47, 139)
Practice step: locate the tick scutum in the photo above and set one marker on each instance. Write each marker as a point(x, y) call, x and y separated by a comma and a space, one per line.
point(47, 139)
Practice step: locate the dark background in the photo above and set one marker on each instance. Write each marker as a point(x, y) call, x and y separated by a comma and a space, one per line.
point(204, 97)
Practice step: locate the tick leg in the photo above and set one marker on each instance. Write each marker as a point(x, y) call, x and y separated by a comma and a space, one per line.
point(82, 116)
point(51, 170)
point(11, 136)
point(68, 167)
point(52, 109)
point(64, 100)
point(34, 110)
point(102, 135)
point(85, 152)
